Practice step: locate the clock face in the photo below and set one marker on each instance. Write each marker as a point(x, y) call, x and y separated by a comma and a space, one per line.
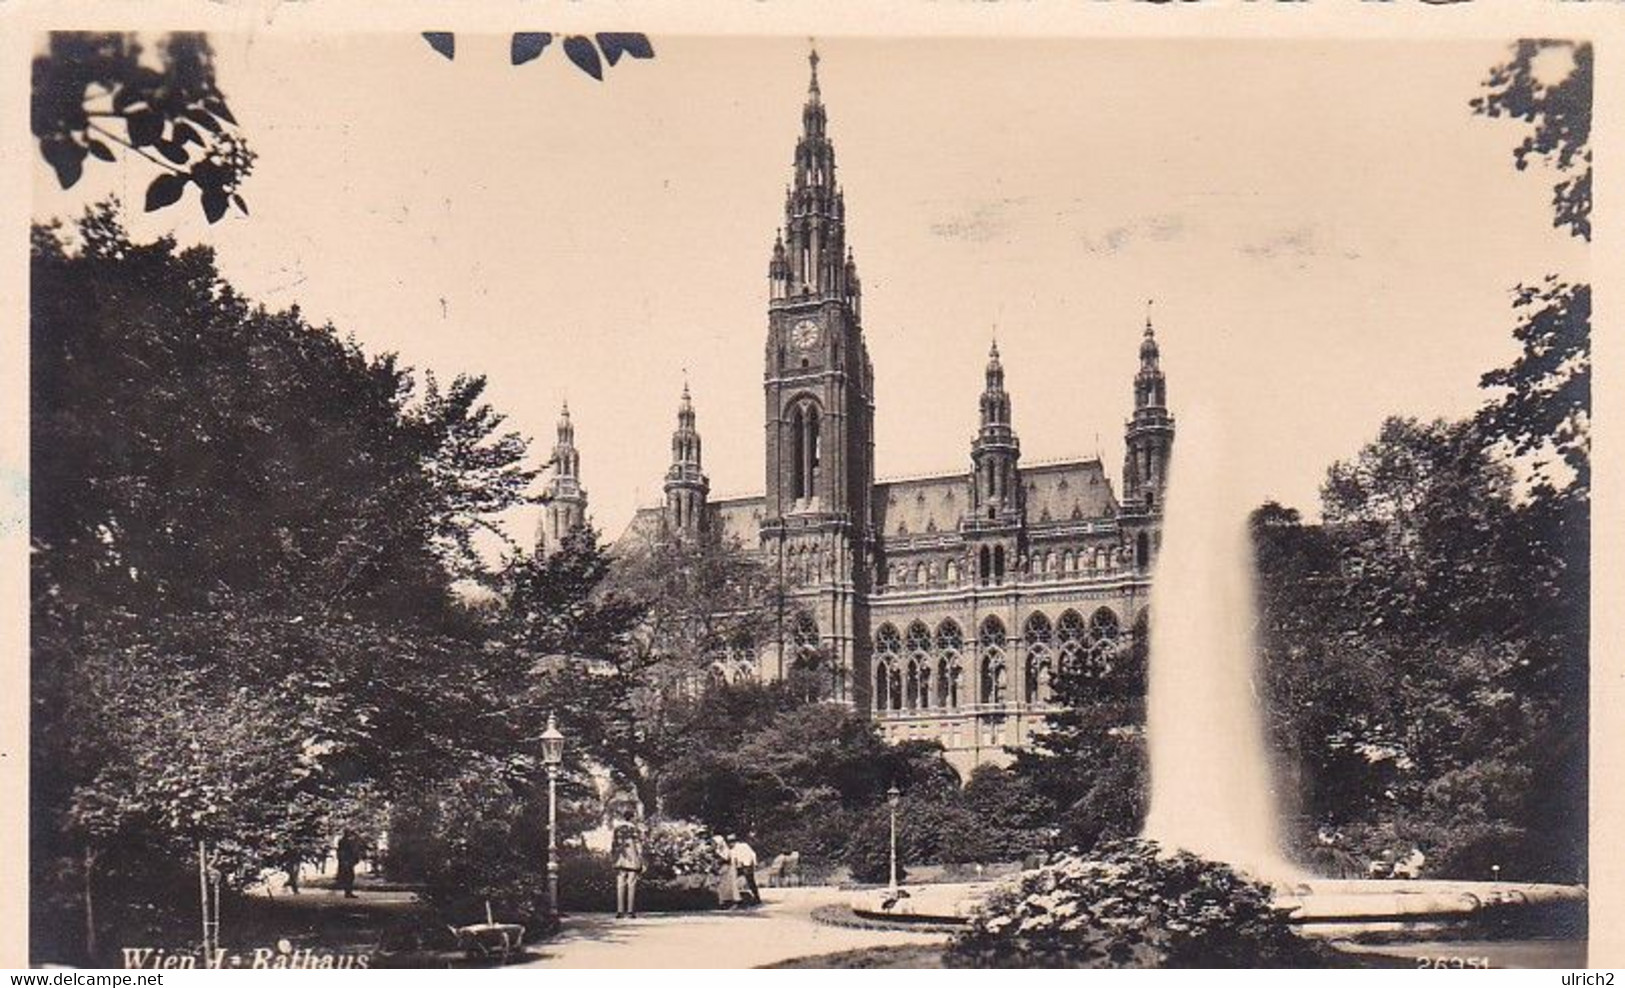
point(805, 334)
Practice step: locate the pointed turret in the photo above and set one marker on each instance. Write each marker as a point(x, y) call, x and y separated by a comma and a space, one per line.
point(1148, 441)
point(565, 500)
point(686, 483)
point(997, 491)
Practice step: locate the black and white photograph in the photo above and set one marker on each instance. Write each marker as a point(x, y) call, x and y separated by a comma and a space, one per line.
point(815, 499)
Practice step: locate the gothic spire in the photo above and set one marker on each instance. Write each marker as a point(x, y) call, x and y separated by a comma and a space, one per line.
point(565, 500)
point(686, 484)
point(995, 401)
point(566, 459)
point(814, 259)
point(1150, 388)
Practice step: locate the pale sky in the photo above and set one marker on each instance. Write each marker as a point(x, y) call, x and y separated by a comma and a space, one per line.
point(1329, 234)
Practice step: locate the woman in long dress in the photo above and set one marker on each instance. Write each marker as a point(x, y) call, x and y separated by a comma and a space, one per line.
point(728, 877)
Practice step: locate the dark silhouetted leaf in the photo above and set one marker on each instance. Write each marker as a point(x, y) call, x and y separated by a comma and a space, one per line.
point(173, 151)
point(585, 56)
point(145, 127)
point(66, 157)
point(202, 119)
point(219, 109)
point(616, 45)
point(100, 150)
point(238, 200)
point(444, 42)
point(185, 132)
point(214, 204)
point(529, 45)
point(164, 190)
point(209, 176)
point(127, 97)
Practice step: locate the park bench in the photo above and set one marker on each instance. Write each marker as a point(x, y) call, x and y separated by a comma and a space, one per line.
point(490, 938)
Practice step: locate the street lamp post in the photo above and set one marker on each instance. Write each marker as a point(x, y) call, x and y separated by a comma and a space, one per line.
point(552, 757)
point(892, 797)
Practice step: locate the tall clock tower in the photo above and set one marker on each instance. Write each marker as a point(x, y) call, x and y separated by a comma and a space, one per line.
point(819, 389)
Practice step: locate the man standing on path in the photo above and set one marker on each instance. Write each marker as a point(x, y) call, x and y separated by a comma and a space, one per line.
point(627, 850)
point(349, 854)
point(744, 859)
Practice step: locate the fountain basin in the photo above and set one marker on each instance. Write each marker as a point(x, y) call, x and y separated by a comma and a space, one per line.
point(1368, 901)
point(1347, 905)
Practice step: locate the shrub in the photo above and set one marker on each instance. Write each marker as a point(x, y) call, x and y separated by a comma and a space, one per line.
point(678, 849)
point(678, 869)
point(869, 853)
point(1129, 904)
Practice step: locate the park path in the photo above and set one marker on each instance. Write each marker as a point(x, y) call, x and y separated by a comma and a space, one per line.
point(782, 929)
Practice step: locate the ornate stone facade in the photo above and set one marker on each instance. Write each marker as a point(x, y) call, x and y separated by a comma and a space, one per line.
point(941, 604)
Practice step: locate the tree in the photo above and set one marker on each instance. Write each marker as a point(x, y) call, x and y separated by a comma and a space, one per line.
point(239, 520)
point(559, 612)
point(707, 608)
point(1089, 761)
point(94, 89)
point(1412, 661)
point(1547, 83)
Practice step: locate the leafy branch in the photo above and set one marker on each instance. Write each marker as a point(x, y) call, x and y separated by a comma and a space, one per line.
point(173, 115)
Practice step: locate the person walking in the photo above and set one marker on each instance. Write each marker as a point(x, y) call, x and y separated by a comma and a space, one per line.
point(627, 850)
point(349, 855)
point(291, 864)
point(744, 859)
point(728, 876)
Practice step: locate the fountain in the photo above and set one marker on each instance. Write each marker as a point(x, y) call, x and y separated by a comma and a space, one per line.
point(1210, 769)
point(1211, 791)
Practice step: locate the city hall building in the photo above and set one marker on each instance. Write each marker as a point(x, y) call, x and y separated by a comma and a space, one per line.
point(942, 603)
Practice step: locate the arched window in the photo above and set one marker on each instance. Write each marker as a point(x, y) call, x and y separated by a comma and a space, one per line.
point(888, 651)
point(1069, 562)
point(920, 574)
point(987, 564)
point(1142, 551)
point(814, 452)
point(950, 646)
point(804, 450)
point(807, 648)
point(896, 680)
point(998, 563)
point(798, 452)
point(1039, 637)
point(952, 572)
point(918, 647)
point(1071, 640)
point(991, 641)
point(911, 690)
point(1103, 641)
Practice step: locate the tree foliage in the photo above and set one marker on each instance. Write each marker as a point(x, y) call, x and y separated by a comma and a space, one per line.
point(92, 90)
point(1425, 651)
point(1545, 405)
point(1547, 84)
point(1089, 762)
point(245, 542)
